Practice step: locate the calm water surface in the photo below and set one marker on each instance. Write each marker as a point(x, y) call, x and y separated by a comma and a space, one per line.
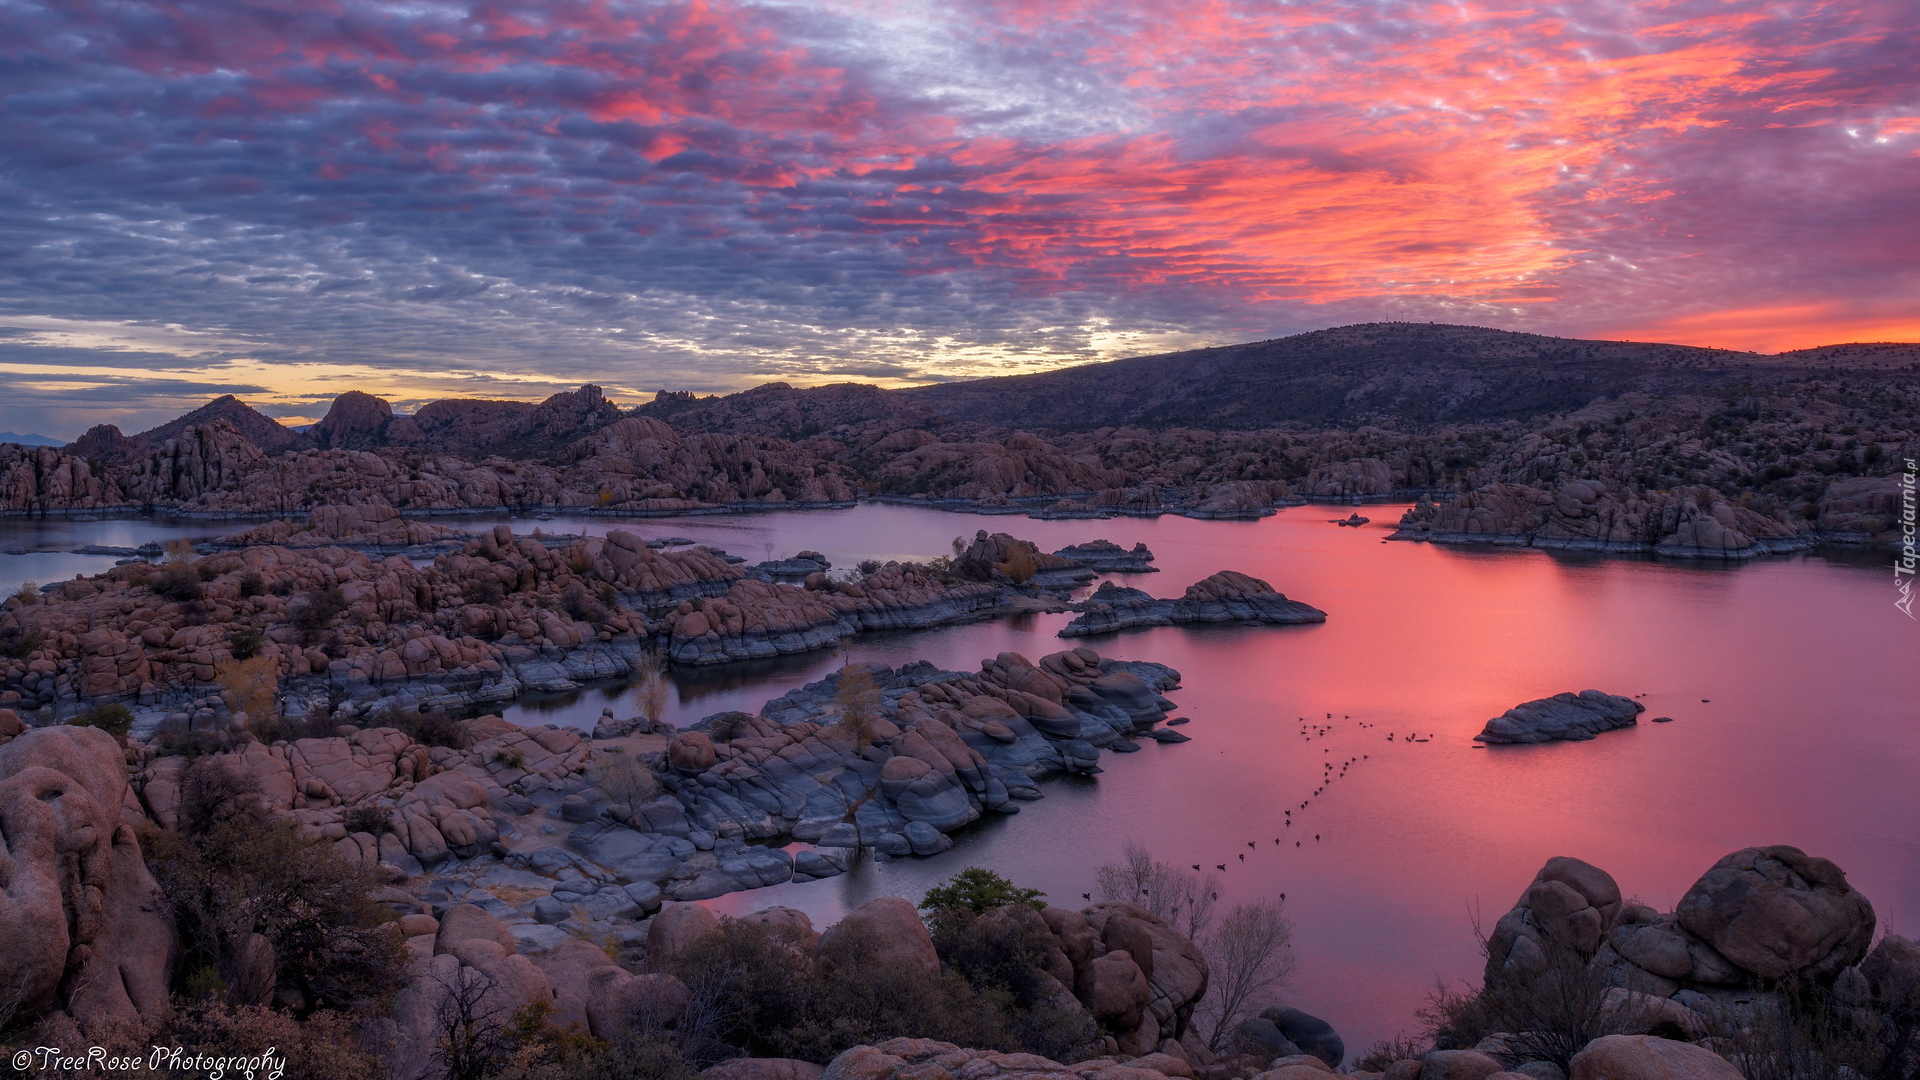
point(1808, 737)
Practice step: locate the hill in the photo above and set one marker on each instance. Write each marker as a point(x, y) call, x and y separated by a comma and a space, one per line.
point(1417, 373)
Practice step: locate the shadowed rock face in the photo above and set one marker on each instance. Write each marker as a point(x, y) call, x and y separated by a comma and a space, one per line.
point(83, 928)
point(1777, 911)
point(356, 421)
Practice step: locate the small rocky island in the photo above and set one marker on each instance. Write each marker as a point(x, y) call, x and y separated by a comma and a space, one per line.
point(1225, 597)
point(1568, 716)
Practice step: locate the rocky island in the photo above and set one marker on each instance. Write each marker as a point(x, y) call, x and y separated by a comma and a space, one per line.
point(1570, 716)
point(1225, 597)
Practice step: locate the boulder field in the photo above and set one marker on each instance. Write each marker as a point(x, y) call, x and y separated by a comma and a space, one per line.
point(530, 813)
point(88, 935)
point(352, 617)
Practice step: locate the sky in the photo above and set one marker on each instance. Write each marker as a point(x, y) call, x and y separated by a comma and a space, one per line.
point(289, 199)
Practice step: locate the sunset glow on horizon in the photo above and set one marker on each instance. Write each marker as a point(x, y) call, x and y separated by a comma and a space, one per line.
point(288, 200)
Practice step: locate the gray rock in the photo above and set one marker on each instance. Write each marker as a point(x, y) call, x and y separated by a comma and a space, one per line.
point(1566, 716)
point(1310, 1033)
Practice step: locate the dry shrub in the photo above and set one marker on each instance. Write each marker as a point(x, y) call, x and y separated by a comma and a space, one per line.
point(325, 1046)
point(857, 700)
point(250, 685)
point(626, 780)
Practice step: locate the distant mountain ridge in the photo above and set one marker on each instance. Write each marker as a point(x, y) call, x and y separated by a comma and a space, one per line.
point(1370, 373)
point(28, 439)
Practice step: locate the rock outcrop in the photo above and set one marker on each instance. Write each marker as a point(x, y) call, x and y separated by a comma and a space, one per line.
point(84, 929)
point(1760, 919)
point(1568, 716)
point(1225, 597)
point(373, 526)
point(1690, 522)
point(1107, 557)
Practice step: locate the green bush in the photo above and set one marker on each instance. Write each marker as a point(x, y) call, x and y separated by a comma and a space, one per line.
point(979, 891)
point(246, 642)
point(114, 719)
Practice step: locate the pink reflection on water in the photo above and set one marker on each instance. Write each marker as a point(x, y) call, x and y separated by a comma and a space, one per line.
point(1808, 738)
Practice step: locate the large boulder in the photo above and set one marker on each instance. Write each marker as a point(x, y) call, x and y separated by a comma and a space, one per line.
point(1115, 990)
point(1310, 1033)
point(83, 927)
point(1777, 911)
point(885, 932)
point(467, 922)
point(1569, 903)
point(1457, 1065)
point(691, 752)
point(677, 927)
point(1645, 1057)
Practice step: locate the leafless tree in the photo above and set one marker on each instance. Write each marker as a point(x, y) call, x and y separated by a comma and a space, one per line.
point(1180, 898)
point(625, 779)
point(471, 1025)
point(1250, 957)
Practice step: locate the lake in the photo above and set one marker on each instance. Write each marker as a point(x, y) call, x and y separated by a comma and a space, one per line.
point(1792, 682)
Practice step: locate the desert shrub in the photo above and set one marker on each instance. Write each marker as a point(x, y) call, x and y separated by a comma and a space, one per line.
point(484, 591)
point(372, 820)
point(626, 780)
point(249, 685)
point(1385, 1052)
point(27, 594)
point(761, 994)
point(213, 790)
point(241, 870)
point(869, 566)
point(326, 1045)
point(317, 609)
point(1548, 1014)
point(856, 699)
point(114, 719)
point(580, 603)
point(246, 642)
point(978, 891)
point(185, 739)
point(511, 758)
point(433, 728)
point(652, 689)
point(176, 581)
point(1004, 962)
point(18, 643)
point(251, 584)
point(1805, 1030)
point(315, 723)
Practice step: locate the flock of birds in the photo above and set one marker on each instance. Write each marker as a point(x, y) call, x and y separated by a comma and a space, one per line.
point(1330, 771)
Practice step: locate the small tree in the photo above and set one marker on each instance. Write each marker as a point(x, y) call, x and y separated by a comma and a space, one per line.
point(980, 891)
point(1182, 899)
point(471, 1029)
point(857, 699)
point(1250, 957)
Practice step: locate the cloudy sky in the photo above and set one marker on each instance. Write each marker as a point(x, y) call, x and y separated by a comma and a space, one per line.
point(289, 198)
